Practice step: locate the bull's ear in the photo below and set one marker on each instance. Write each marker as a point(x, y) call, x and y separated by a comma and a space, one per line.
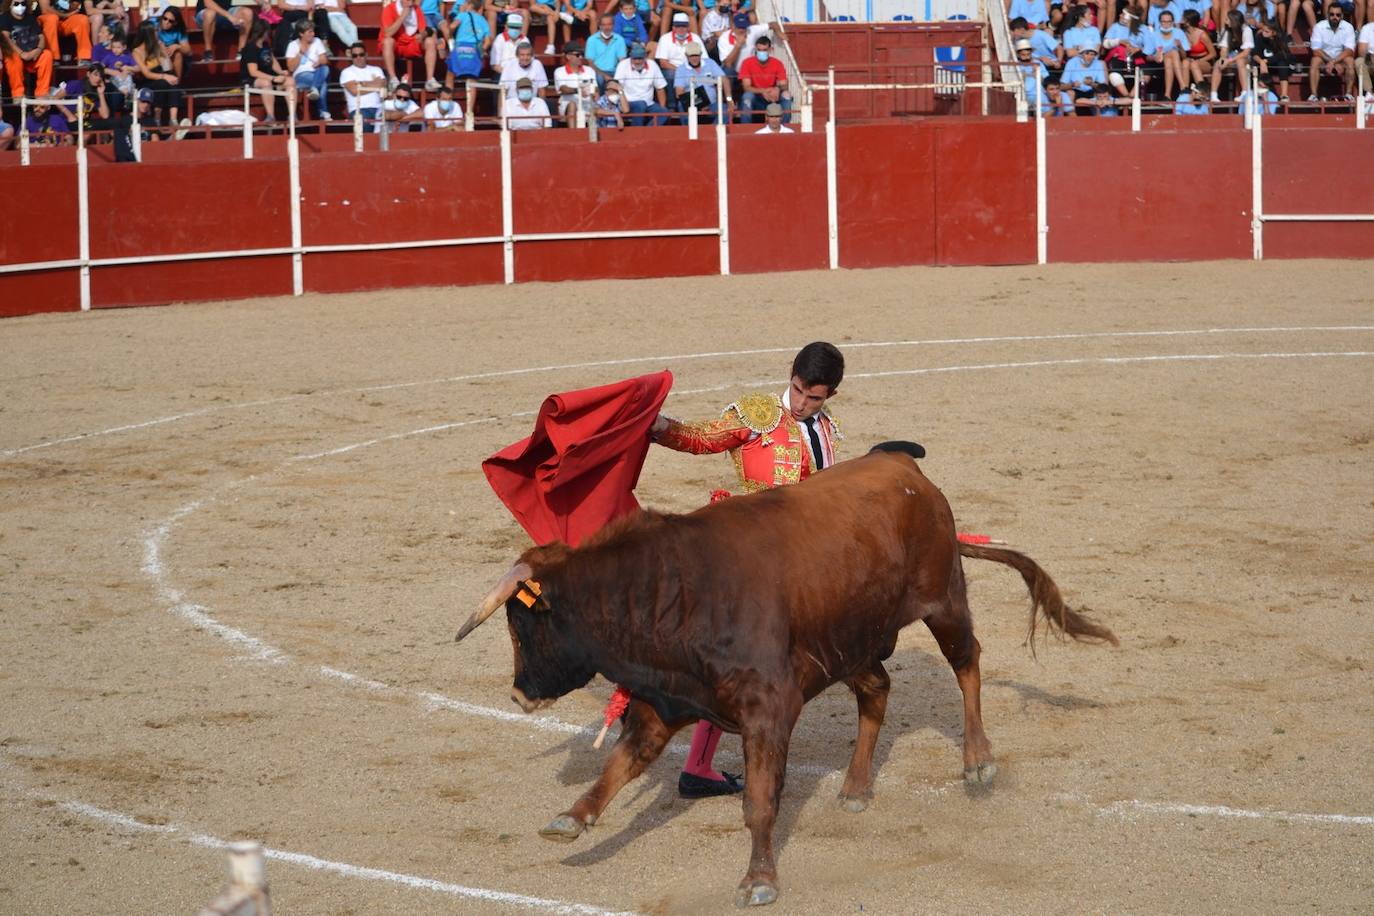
point(496, 597)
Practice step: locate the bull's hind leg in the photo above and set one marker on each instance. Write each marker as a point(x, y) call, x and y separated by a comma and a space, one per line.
point(870, 689)
point(952, 627)
point(644, 738)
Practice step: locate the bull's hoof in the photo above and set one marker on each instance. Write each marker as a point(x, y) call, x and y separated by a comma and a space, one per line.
point(854, 804)
point(756, 893)
point(981, 775)
point(564, 829)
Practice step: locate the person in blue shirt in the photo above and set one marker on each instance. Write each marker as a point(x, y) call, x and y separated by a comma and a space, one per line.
point(1080, 33)
point(1058, 101)
point(469, 38)
point(1171, 53)
point(1129, 44)
point(605, 49)
point(1035, 12)
point(700, 73)
point(1046, 49)
point(1158, 7)
point(1269, 101)
point(1103, 106)
point(1192, 101)
point(1032, 71)
point(1082, 73)
point(630, 26)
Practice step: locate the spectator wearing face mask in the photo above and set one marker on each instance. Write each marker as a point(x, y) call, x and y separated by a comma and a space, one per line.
point(644, 87)
point(1171, 53)
point(504, 45)
point(400, 111)
point(672, 47)
point(700, 77)
point(630, 27)
point(525, 66)
point(764, 80)
point(64, 17)
point(308, 60)
point(1081, 74)
point(443, 113)
point(611, 106)
point(25, 50)
point(362, 84)
point(526, 111)
point(714, 24)
point(575, 83)
point(735, 46)
point(606, 49)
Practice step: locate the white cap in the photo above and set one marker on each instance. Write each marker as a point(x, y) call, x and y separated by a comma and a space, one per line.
point(515, 18)
point(1023, 44)
point(680, 19)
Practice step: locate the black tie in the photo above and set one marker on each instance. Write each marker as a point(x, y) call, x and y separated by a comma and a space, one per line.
point(815, 443)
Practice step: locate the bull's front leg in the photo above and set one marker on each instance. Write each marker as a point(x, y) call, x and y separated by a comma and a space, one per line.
point(643, 740)
point(766, 733)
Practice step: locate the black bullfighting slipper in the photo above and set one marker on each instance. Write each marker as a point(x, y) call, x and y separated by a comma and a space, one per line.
point(689, 786)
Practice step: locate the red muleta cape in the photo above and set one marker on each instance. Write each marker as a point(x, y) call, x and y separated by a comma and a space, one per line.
point(578, 470)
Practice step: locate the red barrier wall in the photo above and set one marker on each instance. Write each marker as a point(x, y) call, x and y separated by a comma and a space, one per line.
point(1300, 172)
point(40, 224)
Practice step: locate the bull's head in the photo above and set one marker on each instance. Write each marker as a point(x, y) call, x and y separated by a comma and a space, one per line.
point(549, 656)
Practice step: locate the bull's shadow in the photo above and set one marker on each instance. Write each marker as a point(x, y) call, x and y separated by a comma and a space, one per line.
point(924, 695)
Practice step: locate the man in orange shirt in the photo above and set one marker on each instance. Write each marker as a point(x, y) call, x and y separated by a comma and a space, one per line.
point(774, 439)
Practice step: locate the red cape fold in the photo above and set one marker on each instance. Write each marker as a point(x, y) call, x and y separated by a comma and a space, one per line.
point(578, 470)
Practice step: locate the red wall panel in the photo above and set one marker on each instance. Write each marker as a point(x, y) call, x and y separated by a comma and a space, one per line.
point(40, 291)
point(39, 203)
point(1120, 196)
point(631, 258)
point(1302, 168)
point(777, 203)
point(984, 192)
point(190, 281)
point(885, 194)
point(467, 265)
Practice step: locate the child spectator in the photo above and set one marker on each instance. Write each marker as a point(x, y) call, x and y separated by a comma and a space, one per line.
point(119, 64)
point(1103, 105)
point(629, 26)
point(611, 106)
point(308, 60)
point(362, 84)
point(25, 49)
point(606, 49)
point(64, 17)
point(443, 113)
point(1058, 101)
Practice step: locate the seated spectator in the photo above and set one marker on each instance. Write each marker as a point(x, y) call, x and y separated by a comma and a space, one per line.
point(548, 17)
point(259, 68)
point(504, 45)
point(575, 11)
point(176, 45)
point(1079, 34)
point(404, 35)
point(341, 28)
point(1128, 45)
point(644, 87)
point(772, 120)
point(1034, 12)
point(6, 136)
point(1171, 50)
point(47, 126)
point(606, 49)
point(714, 24)
point(1309, 12)
point(443, 113)
point(1255, 12)
point(1201, 51)
point(1234, 44)
point(1333, 51)
point(1103, 106)
point(764, 80)
point(468, 38)
point(527, 111)
point(735, 46)
point(308, 60)
point(672, 47)
point(400, 113)
point(362, 84)
point(525, 66)
point(25, 50)
point(611, 106)
point(105, 108)
point(575, 84)
point(668, 11)
point(1192, 101)
point(630, 27)
point(1268, 101)
point(156, 72)
point(1364, 57)
point(294, 12)
point(212, 15)
point(1158, 8)
point(1046, 49)
point(64, 17)
point(700, 77)
point(143, 108)
point(1275, 57)
point(1058, 101)
point(1031, 70)
point(107, 13)
point(1081, 74)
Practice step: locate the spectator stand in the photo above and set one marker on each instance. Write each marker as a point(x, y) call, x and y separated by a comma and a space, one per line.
point(769, 12)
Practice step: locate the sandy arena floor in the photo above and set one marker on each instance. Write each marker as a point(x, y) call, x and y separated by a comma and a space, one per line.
point(236, 541)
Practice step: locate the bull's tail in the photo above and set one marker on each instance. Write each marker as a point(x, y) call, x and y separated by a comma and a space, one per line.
point(1045, 598)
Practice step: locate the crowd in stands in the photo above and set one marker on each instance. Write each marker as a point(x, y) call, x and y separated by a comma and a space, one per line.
point(1192, 53)
point(622, 63)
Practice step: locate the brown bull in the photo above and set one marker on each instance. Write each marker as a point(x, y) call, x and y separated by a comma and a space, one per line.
point(741, 612)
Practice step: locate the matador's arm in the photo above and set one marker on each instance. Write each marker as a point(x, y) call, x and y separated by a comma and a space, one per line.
point(701, 437)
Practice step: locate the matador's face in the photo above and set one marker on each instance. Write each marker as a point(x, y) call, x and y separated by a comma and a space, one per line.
point(805, 401)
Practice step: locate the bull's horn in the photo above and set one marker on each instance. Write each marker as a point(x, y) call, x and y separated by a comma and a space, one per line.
point(496, 597)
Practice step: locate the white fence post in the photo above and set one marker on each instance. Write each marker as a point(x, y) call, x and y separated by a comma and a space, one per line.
point(247, 123)
point(692, 108)
point(722, 182)
point(1042, 228)
point(1257, 185)
point(832, 190)
point(507, 205)
point(24, 131)
point(1135, 104)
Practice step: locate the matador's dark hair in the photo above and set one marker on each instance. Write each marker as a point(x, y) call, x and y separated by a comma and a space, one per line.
point(819, 363)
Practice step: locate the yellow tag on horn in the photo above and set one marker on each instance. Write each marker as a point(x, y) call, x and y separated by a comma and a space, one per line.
point(529, 592)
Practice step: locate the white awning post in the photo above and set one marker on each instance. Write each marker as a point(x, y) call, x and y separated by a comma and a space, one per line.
point(1042, 228)
point(24, 131)
point(507, 204)
point(1135, 104)
point(247, 123)
point(1257, 184)
point(293, 159)
point(722, 183)
point(692, 109)
point(832, 191)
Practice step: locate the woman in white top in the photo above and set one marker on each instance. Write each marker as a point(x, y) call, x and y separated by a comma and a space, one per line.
point(1234, 44)
point(308, 60)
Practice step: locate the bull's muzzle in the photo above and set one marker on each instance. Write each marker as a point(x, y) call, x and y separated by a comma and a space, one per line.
point(525, 703)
